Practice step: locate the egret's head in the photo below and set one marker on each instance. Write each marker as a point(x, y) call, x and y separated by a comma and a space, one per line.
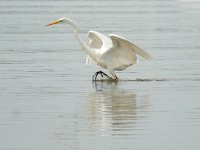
point(62, 20)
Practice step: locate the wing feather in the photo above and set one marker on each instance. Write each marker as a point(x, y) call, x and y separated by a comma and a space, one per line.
point(98, 42)
point(132, 46)
point(123, 53)
point(94, 41)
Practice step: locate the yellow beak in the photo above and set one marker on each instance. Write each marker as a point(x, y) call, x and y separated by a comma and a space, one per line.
point(54, 22)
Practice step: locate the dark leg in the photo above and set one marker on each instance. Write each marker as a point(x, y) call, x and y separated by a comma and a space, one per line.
point(94, 77)
point(104, 74)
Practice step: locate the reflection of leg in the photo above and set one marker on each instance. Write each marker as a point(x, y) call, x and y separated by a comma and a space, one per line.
point(94, 77)
point(100, 85)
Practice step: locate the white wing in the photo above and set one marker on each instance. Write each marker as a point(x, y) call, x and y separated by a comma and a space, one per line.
point(94, 41)
point(122, 54)
point(99, 42)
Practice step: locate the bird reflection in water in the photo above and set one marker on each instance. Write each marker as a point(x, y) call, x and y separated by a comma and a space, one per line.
point(109, 115)
point(113, 109)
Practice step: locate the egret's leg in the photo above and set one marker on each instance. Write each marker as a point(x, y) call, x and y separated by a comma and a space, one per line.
point(112, 72)
point(116, 78)
point(104, 74)
point(94, 77)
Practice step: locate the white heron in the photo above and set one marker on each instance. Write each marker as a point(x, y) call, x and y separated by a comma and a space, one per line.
point(113, 53)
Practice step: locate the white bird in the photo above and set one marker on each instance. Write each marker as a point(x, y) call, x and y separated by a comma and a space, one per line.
point(111, 53)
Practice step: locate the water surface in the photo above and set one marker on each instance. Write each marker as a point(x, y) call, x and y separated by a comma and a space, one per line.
point(48, 100)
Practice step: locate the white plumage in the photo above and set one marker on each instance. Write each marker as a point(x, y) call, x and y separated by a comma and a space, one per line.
point(111, 53)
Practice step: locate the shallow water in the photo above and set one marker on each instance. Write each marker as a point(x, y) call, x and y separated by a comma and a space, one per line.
point(48, 100)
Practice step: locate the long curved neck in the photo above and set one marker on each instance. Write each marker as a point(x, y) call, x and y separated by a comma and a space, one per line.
point(84, 46)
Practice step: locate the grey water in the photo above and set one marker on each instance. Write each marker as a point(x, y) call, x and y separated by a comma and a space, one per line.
point(47, 98)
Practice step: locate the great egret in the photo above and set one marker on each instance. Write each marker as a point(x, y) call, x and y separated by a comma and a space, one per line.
point(111, 53)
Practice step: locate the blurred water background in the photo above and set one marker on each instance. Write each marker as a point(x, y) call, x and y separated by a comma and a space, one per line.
point(47, 98)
